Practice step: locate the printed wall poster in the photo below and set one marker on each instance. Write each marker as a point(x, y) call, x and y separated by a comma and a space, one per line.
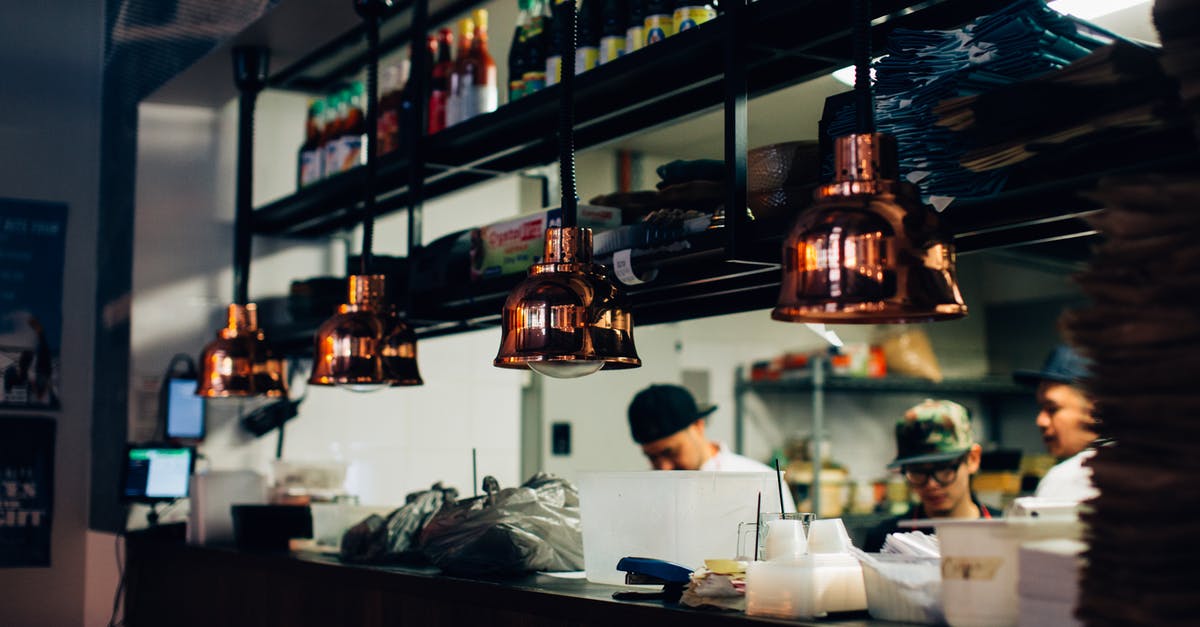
point(26, 490)
point(32, 242)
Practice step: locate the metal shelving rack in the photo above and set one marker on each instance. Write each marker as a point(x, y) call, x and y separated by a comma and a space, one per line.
point(816, 382)
point(752, 48)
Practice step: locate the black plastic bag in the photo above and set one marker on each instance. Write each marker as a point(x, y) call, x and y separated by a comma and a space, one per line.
point(509, 531)
point(377, 540)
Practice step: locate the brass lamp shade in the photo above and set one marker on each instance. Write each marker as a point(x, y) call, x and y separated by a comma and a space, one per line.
point(566, 319)
point(868, 251)
point(237, 363)
point(363, 347)
point(399, 351)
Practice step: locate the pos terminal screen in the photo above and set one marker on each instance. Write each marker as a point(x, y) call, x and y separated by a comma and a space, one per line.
point(185, 411)
point(157, 473)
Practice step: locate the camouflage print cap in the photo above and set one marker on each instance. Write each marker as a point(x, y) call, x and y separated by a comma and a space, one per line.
point(933, 431)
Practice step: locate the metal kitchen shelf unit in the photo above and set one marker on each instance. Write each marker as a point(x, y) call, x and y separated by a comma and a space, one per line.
point(818, 381)
point(791, 42)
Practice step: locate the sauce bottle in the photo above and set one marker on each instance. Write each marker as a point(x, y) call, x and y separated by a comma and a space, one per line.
point(308, 167)
point(439, 84)
point(692, 13)
point(635, 31)
point(518, 59)
point(391, 104)
point(537, 40)
point(334, 116)
point(482, 91)
point(461, 77)
point(555, 45)
point(660, 20)
point(587, 53)
point(612, 30)
point(353, 140)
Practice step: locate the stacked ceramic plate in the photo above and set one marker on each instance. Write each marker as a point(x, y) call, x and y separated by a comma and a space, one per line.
point(1143, 333)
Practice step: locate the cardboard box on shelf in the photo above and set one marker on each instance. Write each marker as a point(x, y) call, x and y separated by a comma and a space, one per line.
point(511, 246)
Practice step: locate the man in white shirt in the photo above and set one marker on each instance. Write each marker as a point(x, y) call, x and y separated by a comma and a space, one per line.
point(1066, 423)
point(666, 422)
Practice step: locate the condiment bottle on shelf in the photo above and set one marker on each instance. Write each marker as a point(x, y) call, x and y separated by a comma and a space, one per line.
point(439, 84)
point(537, 40)
point(555, 45)
point(353, 140)
point(660, 20)
point(392, 80)
point(483, 94)
point(635, 31)
point(612, 31)
point(308, 166)
point(335, 113)
point(460, 78)
point(587, 53)
point(692, 13)
point(518, 59)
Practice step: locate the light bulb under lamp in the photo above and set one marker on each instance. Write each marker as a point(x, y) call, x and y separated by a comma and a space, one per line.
point(565, 369)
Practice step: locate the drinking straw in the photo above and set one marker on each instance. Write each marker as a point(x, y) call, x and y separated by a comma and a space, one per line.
point(474, 475)
point(757, 523)
point(779, 478)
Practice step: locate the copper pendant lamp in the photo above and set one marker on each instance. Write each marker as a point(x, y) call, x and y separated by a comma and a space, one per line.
point(567, 318)
point(239, 363)
point(367, 346)
point(868, 250)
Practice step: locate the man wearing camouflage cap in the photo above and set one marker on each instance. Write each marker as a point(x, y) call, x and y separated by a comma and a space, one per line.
point(937, 455)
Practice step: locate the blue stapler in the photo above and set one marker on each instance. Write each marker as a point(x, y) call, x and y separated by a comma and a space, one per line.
point(645, 570)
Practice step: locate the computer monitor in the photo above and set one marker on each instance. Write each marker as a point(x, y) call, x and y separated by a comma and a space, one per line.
point(156, 473)
point(185, 411)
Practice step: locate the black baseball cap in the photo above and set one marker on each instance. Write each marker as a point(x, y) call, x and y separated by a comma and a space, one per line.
point(1063, 365)
point(662, 410)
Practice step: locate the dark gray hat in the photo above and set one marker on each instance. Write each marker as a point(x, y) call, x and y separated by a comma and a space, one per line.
point(661, 410)
point(1063, 365)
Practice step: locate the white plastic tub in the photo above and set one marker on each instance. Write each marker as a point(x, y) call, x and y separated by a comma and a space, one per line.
point(903, 588)
point(979, 566)
point(680, 516)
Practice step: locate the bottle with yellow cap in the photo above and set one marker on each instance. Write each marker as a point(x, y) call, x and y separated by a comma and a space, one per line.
point(460, 78)
point(481, 93)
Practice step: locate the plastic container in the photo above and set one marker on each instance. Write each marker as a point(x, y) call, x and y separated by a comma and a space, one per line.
point(679, 516)
point(810, 587)
point(980, 566)
point(903, 588)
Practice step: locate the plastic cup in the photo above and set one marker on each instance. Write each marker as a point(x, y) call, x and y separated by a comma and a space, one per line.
point(828, 535)
point(785, 540)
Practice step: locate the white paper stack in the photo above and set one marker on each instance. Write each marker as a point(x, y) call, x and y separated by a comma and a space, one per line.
point(1048, 583)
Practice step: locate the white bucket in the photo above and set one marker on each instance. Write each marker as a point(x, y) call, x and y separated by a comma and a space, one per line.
point(979, 566)
point(679, 516)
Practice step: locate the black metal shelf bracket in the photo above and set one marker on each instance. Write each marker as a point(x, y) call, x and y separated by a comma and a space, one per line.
point(736, 129)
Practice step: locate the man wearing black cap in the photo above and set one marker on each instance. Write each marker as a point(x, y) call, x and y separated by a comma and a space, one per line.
point(1066, 423)
point(665, 420)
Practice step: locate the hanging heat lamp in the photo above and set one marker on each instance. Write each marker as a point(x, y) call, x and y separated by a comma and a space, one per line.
point(367, 345)
point(238, 363)
point(868, 250)
point(567, 318)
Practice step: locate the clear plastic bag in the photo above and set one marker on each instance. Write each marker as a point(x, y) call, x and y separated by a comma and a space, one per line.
point(379, 540)
point(510, 531)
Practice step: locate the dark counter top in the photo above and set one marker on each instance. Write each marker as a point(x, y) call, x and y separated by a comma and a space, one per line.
point(223, 585)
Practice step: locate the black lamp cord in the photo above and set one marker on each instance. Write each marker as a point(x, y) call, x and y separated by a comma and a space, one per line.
point(247, 64)
point(371, 22)
point(566, 120)
point(864, 103)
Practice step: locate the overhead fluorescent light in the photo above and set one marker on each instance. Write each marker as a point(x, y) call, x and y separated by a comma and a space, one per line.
point(1090, 9)
point(846, 74)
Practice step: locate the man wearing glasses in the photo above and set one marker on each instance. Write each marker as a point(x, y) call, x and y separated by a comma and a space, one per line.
point(937, 455)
